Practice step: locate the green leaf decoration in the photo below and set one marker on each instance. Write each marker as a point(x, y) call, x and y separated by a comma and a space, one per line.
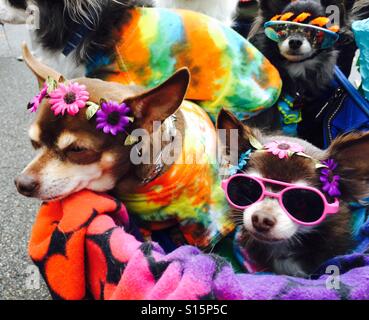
point(320, 166)
point(91, 110)
point(290, 153)
point(302, 154)
point(131, 140)
point(51, 84)
point(255, 143)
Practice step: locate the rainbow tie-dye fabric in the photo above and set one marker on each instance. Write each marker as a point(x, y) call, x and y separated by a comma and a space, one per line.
point(227, 71)
point(190, 191)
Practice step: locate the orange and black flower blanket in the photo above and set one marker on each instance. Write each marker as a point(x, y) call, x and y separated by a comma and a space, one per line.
point(86, 248)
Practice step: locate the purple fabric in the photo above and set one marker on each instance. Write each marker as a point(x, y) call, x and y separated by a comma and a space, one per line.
point(224, 284)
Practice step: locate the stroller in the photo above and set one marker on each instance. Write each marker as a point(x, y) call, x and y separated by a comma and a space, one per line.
point(347, 110)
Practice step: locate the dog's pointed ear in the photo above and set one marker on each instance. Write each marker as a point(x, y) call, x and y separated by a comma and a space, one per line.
point(41, 71)
point(161, 102)
point(351, 153)
point(230, 128)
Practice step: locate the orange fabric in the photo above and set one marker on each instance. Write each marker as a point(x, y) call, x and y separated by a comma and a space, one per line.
point(63, 272)
point(47, 220)
point(204, 83)
point(58, 241)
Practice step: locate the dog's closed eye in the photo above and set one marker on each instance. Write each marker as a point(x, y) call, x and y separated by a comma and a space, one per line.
point(81, 155)
point(76, 149)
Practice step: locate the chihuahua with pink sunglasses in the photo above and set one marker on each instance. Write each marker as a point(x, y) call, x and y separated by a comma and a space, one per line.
point(290, 199)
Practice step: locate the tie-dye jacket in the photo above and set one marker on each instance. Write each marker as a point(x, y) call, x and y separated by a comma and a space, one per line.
point(189, 192)
point(227, 71)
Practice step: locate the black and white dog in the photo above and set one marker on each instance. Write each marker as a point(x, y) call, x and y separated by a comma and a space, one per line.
point(307, 70)
point(58, 20)
point(52, 25)
point(13, 12)
point(304, 69)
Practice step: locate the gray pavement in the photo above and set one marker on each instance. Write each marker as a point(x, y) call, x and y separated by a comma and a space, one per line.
point(17, 214)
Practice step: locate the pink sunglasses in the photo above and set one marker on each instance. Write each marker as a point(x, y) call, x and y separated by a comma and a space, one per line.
point(306, 206)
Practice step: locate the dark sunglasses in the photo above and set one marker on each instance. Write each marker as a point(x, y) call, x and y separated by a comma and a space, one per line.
point(320, 38)
point(304, 205)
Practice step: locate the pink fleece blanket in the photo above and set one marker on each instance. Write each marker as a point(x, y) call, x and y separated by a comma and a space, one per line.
point(84, 250)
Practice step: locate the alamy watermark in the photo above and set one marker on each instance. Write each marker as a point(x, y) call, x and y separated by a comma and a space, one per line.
point(333, 280)
point(33, 278)
point(170, 147)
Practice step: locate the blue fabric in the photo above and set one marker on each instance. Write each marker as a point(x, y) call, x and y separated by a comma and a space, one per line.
point(75, 39)
point(361, 32)
point(352, 115)
point(290, 117)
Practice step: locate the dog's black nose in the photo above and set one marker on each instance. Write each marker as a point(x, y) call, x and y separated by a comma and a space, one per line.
point(262, 222)
point(295, 43)
point(26, 185)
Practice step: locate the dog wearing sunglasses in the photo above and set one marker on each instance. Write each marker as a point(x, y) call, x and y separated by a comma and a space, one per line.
point(290, 199)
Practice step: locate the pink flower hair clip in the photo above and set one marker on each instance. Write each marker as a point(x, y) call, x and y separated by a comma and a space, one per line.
point(36, 101)
point(283, 149)
point(63, 97)
point(69, 98)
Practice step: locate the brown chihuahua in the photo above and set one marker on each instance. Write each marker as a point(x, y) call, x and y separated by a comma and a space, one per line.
point(290, 199)
point(73, 154)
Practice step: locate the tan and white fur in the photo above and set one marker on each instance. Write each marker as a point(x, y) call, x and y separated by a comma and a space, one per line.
point(73, 155)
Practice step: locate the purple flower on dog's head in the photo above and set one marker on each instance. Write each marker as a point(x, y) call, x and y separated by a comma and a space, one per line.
point(329, 180)
point(36, 101)
point(112, 117)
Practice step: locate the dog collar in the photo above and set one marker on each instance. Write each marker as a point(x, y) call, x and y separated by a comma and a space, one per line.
point(75, 39)
point(79, 31)
point(158, 164)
